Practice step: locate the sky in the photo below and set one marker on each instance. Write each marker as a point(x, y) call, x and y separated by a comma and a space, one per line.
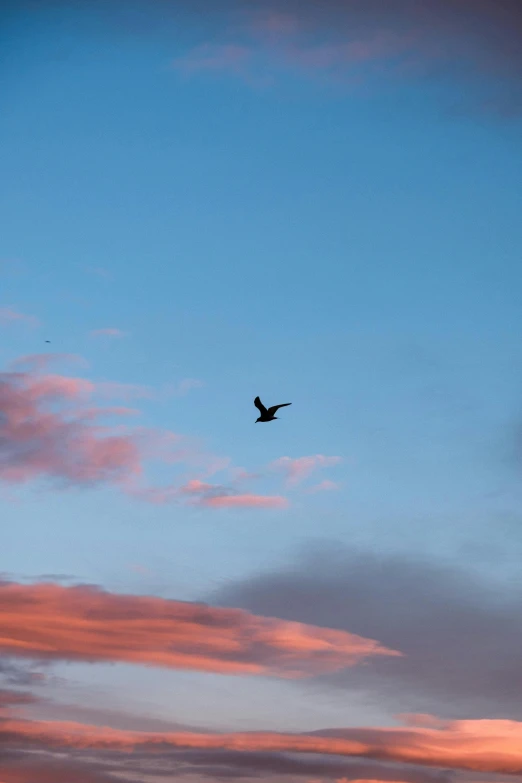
point(314, 202)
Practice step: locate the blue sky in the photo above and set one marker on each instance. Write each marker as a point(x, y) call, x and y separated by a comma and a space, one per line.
point(344, 238)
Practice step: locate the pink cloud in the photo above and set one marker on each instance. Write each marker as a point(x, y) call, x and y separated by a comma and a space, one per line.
point(196, 487)
point(325, 486)
point(51, 427)
point(45, 431)
point(55, 622)
point(217, 496)
point(485, 746)
point(299, 469)
point(108, 332)
point(11, 315)
point(213, 496)
point(246, 501)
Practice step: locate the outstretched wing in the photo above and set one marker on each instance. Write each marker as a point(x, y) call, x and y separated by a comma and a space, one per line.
point(259, 405)
point(275, 408)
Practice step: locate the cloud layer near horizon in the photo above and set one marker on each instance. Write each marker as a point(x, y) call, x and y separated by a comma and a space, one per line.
point(481, 745)
point(85, 623)
point(461, 636)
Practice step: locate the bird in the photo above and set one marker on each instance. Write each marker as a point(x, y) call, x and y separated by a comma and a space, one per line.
point(267, 414)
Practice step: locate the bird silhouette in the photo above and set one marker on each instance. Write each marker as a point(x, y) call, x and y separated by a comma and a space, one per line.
point(267, 414)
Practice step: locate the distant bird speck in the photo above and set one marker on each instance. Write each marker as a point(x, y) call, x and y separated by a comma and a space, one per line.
point(47, 341)
point(267, 414)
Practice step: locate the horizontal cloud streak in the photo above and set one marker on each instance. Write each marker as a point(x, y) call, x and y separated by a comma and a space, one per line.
point(246, 501)
point(482, 745)
point(298, 469)
point(85, 623)
point(94, 766)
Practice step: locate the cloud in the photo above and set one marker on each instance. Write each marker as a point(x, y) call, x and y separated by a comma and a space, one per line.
point(301, 468)
point(47, 430)
point(325, 486)
point(218, 496)
point(460, 635)
point(53, 427)
point(478, 43)
point(46, 767)
point(10, 698)
point(11, 315)
point(108, 332)
point(19, 673)
point(480, 745)
point(187, 384)
point(201, 493)
point(84, 623)
point(246, 501)
point(85, 766)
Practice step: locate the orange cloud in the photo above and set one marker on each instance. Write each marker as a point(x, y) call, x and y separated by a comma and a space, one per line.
point(89, 624)
point(493, 746)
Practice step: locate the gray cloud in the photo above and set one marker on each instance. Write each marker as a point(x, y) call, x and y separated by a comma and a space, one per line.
point(461, 636)
point(99, 767)
point(20, 673)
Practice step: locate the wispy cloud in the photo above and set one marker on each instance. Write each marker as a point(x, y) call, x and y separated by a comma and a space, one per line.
point(54, 426)
point(296, 470)
point(58, 427)
point(201, 493)
point(218, 496)
point(12, 315)
point(273, 42)
point(352, 42)
point(324, 486)
point(246, 501)
point(52, 621)
point(187, 384)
